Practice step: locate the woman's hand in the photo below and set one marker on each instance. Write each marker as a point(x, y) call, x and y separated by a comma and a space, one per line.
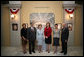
point(23, 38)
point(27, 40)
point(46, 37)
point(65, 40)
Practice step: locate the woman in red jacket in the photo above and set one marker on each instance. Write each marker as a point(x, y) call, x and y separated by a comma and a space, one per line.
point(47, 34)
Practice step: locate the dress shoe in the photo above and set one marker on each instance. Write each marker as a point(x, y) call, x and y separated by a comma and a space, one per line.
point(48, 51)
point(33, 51)
point(30, 53)
point(24, 52)
point(61, 51)
point(65, 53)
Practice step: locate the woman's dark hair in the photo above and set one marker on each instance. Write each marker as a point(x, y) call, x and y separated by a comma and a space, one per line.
point(56, 24)
point(47, 23)
point(23, 24)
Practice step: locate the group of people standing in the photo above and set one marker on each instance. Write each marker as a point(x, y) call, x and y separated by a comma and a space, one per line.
point(31, 34)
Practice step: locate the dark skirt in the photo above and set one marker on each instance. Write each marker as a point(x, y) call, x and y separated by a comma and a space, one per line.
point(24, 42)
point(56, 42)
point(48, 40)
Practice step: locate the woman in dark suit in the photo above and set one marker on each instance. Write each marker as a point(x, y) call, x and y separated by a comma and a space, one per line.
point(47, 34)
point(23, 37)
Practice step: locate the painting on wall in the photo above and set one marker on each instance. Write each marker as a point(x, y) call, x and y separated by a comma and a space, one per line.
point(70, 26)
point(42, 18)
point(14, 26)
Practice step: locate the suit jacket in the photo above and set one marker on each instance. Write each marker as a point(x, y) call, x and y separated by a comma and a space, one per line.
point(31, 35)
point(47, 31)
point(64, 34)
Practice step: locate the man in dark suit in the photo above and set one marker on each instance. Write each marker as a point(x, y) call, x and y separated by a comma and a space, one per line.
point(31, 35)
point(64, 38)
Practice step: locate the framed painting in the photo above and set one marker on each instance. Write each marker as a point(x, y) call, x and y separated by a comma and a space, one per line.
point(14, 26)
point(42, 18)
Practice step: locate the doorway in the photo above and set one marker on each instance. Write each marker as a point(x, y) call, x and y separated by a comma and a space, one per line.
point(42, 18)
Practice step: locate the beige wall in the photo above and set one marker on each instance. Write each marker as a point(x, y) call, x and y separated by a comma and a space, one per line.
point(78, 23)
point(50, 7)
point(5, 26)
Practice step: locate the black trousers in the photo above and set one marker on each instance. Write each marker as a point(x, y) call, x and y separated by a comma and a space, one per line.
point(31, 46)
point(64, 47)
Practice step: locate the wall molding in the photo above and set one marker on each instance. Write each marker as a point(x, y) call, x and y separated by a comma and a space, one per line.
point(69, 5)
point(14, 5)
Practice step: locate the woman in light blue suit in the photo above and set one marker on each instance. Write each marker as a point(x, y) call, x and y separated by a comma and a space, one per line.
point(40, 37)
